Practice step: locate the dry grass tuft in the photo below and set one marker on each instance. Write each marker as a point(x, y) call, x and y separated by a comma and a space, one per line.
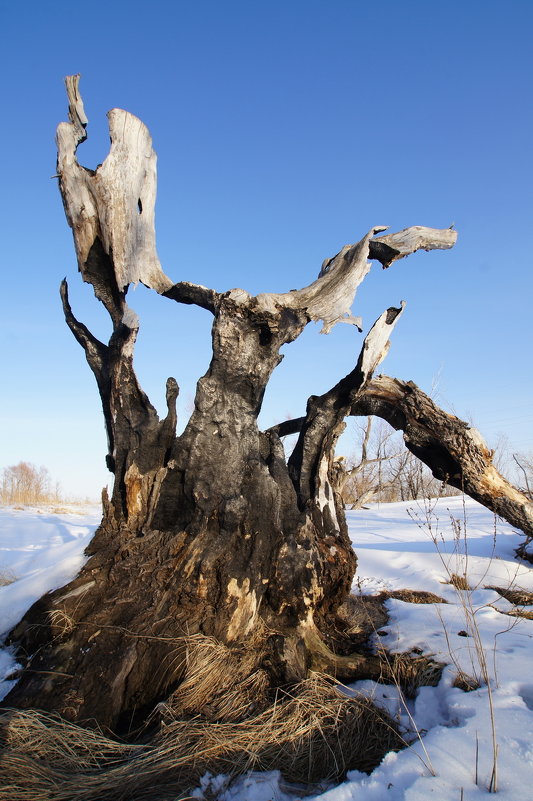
point(516, 597)
point(6, 577)
point(465, 682)
point(516, 612)
point(225, 684)
point(363, 615)
point(366, 614)
point(312, 733)
point(525, 613)
point(61, 621)
point(412, 596)
point(410, 672)
point(459, 582)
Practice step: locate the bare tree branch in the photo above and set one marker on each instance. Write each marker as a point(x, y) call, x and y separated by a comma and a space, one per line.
point(331, 296)
point(95, 351)
point(392, 247)
point(287, 427)
point(526, 468)
point(326, 413)
point(455, 452)
point(187, 293)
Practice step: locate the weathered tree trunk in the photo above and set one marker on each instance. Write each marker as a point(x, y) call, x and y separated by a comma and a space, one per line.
point(454, 451)
point(211, 532)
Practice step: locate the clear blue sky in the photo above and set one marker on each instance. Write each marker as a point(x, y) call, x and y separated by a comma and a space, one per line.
point(284, 130)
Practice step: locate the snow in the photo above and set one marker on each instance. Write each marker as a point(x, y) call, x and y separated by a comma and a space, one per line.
point(415, 545)
point(42, 548)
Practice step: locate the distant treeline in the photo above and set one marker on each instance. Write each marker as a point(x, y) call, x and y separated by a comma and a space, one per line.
point(25, 483)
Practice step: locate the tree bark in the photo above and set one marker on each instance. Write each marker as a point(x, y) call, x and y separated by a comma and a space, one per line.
point(211, 532)
point(454, 451)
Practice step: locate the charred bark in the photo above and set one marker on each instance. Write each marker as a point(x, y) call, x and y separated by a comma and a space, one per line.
point(212, 532)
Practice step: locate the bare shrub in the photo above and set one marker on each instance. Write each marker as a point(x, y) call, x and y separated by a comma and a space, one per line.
point(480, 675)
point(385, 470)
point(524, 464)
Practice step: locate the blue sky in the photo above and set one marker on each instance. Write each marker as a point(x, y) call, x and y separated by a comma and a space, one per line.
point(284, 130)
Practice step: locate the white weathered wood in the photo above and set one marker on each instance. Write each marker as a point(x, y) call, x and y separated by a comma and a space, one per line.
point(125, 186)
point(331, 296)
point(377, 343)
point(114, 204)
point(404, 243)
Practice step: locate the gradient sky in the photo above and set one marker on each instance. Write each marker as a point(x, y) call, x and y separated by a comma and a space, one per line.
point(284, 130)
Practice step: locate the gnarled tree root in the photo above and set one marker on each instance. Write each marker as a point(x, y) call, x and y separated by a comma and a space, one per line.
point(406, 671)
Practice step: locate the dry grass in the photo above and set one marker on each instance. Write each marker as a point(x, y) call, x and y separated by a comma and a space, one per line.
point(410, 672)
point(515, 612)
point(525, 613)
point(6, 577)
point(412, 596)
point(366, 614)
point(459, 582)
point(223, 718)
point(363, 615)
point(310, 734)
point(465, 682)
point(61, 621)
point(516, 597)
point(223, 684)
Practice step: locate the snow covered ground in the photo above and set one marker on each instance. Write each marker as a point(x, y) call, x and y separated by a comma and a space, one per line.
point(415, 545)
point(42, 548)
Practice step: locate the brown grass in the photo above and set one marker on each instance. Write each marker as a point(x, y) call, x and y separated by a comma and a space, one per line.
point(465, 682)
point(223, 684)
point(223, 718)
point(459, 582)
point(61, 621)
point(516, 612)
point(6, 577)
point(313, 733)
point(525, 613)
point(410, 672)
point(366, 614)
point(363, 615)
point(516, 597)
point(412, 596)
